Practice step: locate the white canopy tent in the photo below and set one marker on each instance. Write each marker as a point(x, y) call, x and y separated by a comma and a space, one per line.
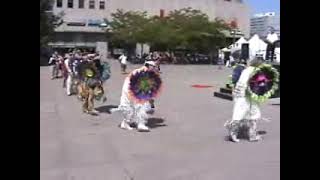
point(257, 47)
point(225, 50)
point(237, 45)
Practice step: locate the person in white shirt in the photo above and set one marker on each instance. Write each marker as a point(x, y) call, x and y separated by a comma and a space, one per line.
point(123, 63)
point(271, 39)
point(230, 61)
point(220, 59)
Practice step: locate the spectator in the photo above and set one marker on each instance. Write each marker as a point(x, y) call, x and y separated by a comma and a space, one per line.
point(271, 39)
point(54, 62)
point(230, 62)
point(220, 59)
point(123, 63)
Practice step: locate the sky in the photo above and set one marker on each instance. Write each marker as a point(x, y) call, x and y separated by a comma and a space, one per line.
point(262, 6)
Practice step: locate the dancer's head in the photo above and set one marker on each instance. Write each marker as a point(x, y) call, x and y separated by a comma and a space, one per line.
point(255, 62)
point(150, 65)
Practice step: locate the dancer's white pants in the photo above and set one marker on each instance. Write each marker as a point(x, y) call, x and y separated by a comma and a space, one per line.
point(132, 112)
point(244, 108)
point(135, 113)
point(69, 84)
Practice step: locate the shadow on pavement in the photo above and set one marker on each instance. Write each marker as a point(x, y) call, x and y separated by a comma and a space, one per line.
point(262, 132)
point(244, 136)
point(155, 122)
point(106, 109)
point(152, 123)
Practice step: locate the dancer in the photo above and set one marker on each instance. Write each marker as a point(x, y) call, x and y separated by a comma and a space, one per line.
point(91, 85)
point(220, 59)
point(69, 62)
point(64, 70)
point(140, 86)
point(256, 84)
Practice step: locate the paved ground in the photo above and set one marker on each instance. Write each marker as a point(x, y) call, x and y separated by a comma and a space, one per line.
point(187, 140)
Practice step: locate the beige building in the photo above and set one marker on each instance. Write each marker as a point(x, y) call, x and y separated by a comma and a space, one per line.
point(83, 19)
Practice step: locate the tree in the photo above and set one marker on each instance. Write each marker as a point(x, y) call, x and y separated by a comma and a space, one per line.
point(185, 28)
point(127, 28)
point(161, 34)
point(48, 22)
point(199, 34)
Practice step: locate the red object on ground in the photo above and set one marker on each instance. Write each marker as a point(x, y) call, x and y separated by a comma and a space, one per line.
point(201, 86)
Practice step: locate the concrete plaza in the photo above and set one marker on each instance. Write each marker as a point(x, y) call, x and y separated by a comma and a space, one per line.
point(187, 139)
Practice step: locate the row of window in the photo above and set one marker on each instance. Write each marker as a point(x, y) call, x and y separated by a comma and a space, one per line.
point(258, 29)
point(262, 26)
point(261, 21)
point(81, 4)
point(257, 21)
point(90, 22)
point(258, 24)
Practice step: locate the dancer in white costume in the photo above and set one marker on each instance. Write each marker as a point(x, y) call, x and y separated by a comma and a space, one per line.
point(246, 111)
point(134, 112)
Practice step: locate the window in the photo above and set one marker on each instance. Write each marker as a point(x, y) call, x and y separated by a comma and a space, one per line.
point(81, 4)
point(70, 3)
point(59, 3)
point(76, 23)
point(101, 4)
point(91, 4)
point(94, 22)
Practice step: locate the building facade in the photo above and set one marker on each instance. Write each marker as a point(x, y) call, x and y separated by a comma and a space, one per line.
point(83, 21)
point(262, 23)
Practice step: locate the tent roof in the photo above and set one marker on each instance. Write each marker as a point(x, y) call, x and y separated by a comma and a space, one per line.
point(242, 40)
point(255, 41)
point(225, 49)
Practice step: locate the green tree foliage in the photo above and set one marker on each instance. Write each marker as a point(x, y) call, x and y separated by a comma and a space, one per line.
point(127, 28)
point(185, 28)
point(48, 21)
